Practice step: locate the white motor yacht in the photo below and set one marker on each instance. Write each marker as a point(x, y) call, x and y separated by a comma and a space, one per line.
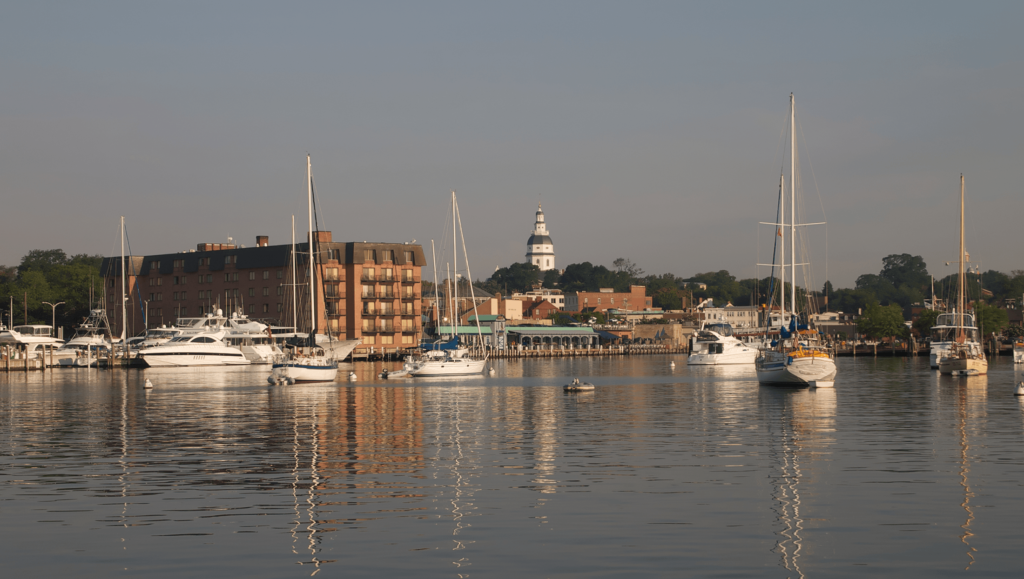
point(252, 338)
point(200, 342)
point(90, 344)
point(714, 344)
point(35, 338)
point(1018, 351)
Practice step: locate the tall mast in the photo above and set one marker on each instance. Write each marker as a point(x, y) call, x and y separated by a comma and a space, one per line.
point(792, 203)
point(437, 300)
point(124, 294)
point(312, 253)
point(960, 272)
point(295, 286)
point(782, 252)
point(455, 252)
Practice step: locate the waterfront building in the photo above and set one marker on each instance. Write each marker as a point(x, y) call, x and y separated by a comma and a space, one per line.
point(540, 250)
point(370, 291)
point(553, 296)
point(608, 298)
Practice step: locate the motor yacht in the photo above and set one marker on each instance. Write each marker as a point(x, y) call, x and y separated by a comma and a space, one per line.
point(90, 344)
point(199, 343)
point(714, 344)
point(34, 338)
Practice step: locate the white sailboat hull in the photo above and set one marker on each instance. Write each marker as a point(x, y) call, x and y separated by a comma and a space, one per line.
point(459, 367)
point(779, 368)
point(313, 370)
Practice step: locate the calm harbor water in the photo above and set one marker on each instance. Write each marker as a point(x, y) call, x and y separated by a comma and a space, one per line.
point(659, 472)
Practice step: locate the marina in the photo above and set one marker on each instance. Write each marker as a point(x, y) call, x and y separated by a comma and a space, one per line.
point(898, 470)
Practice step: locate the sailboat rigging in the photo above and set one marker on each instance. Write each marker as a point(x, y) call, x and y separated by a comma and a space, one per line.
point(797, 358)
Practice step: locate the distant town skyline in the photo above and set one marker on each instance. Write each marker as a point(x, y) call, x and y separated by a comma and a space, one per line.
point(650, 132)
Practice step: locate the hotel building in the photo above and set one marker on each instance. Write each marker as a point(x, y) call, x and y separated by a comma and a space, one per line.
point(365, 291)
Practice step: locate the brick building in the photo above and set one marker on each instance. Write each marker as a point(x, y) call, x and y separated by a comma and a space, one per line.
point(607, 298)
point(371, 291)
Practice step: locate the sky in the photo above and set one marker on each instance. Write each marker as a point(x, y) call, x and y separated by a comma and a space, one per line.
point(651, 131)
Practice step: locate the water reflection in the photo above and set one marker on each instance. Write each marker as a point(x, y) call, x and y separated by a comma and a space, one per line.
point(971, 392)
point(801, 425)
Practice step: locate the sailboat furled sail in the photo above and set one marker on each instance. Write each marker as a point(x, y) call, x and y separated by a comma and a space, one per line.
point(796, 358)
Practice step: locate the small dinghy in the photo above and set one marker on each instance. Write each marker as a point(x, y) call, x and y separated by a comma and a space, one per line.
point(403, 373)
point(577, 386)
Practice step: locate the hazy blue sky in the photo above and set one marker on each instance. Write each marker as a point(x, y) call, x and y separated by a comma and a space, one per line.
point(650, 130)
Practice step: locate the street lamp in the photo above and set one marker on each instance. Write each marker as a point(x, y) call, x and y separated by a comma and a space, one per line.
point(53, 318)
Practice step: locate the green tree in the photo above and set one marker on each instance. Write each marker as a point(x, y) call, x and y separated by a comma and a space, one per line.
point(924, 322)
point(990, 318)
point(880, 321)
point(518, 277)
point(551, 278)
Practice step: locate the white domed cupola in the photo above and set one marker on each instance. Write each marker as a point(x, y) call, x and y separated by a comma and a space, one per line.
point(540, 251)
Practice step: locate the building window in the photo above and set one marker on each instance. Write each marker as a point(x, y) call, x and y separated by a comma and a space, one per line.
point(407, 275)
point(183, 312)
point(387, 340)
point(369, 255)
point(280, 308)
point(252, 308)
point(367, 325)
point(280, 290)
point(368, 340)
point(369, 274)
point(266, 274)
point(331, 274)
point(183, 295)
point(234, 277)
point(407, 325)
point(367, 291)
point(280, 273)
point(252, 276)
point(266, 292)
point(387, 274)
point(266, 308)
point(202, 310)
point(252, 292)
point(387, 255)
point(407, 339)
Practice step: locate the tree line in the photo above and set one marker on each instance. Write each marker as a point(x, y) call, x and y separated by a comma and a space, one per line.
point(50, 275)
point(884, 299)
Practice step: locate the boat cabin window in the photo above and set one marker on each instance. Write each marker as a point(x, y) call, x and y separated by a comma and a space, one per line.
point(33, 330)
point(203, 340)
point(721, 329)
point(179, 339)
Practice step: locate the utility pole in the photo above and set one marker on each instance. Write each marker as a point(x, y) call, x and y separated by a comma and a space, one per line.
point(53, 317)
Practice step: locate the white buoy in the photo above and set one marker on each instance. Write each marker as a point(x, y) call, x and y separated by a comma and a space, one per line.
point(149, 384)
point(1020, 390)
point(352, 376)
point(672, 364)
point(491, 371)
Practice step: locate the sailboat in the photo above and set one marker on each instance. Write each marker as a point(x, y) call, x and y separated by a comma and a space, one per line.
point(309, 363)
point(457, 361)
point(965, 356)
point(796, 358)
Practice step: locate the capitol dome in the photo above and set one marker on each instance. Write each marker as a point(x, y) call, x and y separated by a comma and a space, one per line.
point(540, 250)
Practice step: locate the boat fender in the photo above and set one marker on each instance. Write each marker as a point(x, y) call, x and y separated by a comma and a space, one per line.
point(789, 359)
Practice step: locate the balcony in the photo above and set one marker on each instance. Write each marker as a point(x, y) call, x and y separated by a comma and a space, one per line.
point(406, 297)
point(387, 295)
point(365, 277)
